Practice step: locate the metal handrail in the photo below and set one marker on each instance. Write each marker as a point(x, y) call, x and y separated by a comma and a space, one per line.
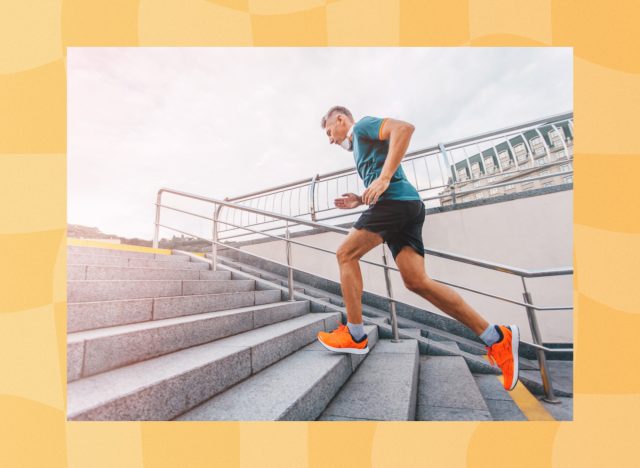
point(424, 199)
point(339, 230)
point(434, 252)
point(226, 246)
point(313, 211)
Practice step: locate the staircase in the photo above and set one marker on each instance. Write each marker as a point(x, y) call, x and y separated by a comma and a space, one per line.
point(456, 382)
point(153, 336)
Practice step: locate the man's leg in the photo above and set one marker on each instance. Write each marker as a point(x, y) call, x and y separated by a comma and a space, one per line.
point(502, 341)
point(411, 266)
point(355, 341)
point(357, 243)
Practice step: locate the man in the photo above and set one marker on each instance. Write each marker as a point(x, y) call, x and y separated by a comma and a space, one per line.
point(395, 215)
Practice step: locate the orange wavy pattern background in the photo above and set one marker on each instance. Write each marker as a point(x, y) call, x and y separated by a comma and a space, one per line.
point(34, 35)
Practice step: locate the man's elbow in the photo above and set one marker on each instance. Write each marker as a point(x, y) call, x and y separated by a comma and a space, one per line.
point(402, 131)
point(408, 130)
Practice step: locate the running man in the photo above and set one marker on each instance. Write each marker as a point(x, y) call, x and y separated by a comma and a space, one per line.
point(395, 215)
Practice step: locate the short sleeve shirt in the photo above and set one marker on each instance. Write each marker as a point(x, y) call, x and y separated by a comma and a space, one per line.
point(370, 153)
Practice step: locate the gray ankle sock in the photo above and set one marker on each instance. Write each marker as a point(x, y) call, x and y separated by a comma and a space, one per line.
point(490, 336)
point(356, 330)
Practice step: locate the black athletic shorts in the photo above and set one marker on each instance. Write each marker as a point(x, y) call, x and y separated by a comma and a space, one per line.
point(399, 222)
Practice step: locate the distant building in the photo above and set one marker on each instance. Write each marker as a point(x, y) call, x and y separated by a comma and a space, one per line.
point(545, 151)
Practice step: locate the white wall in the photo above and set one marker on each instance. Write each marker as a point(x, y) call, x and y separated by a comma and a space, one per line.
point(529, 233)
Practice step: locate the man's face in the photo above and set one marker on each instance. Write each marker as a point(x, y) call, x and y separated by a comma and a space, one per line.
point(336, 129)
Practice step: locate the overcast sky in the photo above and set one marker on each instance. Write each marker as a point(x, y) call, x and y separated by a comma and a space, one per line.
point(228, 121)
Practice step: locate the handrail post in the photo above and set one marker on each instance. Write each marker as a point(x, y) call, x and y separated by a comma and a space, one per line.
point(156, 233)
point(289, 268)
point(445, 158)
point(214, 244)
point(312, 197)
point(392, 303)
point(537, 339)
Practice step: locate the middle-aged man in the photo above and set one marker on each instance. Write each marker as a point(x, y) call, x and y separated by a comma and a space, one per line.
point(395, 215)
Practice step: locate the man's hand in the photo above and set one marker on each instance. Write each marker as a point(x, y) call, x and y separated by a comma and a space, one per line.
point(372, 193)
point(348, 201)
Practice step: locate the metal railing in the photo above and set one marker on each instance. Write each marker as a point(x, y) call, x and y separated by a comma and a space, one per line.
point(435, 171)
point(288, 221)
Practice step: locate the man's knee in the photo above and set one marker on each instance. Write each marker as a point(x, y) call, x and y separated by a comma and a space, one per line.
point(346, 254)
point(416, 284)
point(417, 281)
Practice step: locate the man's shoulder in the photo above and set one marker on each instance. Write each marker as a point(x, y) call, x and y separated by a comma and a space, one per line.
point(367, 120)
point(368, 126)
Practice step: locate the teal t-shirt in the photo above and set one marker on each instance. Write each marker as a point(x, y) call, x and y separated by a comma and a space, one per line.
point(370, 152)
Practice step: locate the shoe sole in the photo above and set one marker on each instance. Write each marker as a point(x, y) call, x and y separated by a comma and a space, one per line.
point(345, 350)
point(515, 345)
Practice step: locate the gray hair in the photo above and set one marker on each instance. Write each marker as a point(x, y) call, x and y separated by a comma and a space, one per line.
point(335, 110)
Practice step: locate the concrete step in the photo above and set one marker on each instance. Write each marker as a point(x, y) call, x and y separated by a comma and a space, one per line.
point(167, 386)
point(448, 392)
point(91, 315)
point(500, 404)
point(73, 250)
point(107, 260)
point(95, 351)
point(214, 275)
point(453, 345)
point(384, 388)
point(561, 375)
point(415, 332)
point(91, 272)
point(82, 250)
point(162, 263)
point(297, 388)
point(109, 290)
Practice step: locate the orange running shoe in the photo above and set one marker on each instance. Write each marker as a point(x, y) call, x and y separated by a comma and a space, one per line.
point(504, 354)
point(341, 341)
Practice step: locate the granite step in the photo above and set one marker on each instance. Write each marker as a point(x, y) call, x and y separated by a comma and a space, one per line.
point(561, 373)
point(109, 290)
point(95, 351)
point(297, 388)
point(95, 272)
point(384, 388)
point(73, 250)
point(447, 391)
point(91, 315)
point(113, 252)
point(140, 262)
point(167, 386)
point(500, 404)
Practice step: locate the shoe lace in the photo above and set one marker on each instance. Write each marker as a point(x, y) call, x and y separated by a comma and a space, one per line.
point(341, 328)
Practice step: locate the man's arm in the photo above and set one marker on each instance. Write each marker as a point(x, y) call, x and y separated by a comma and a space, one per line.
point(399, 134)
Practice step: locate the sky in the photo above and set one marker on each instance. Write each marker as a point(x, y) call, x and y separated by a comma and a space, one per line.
point(228, 121)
